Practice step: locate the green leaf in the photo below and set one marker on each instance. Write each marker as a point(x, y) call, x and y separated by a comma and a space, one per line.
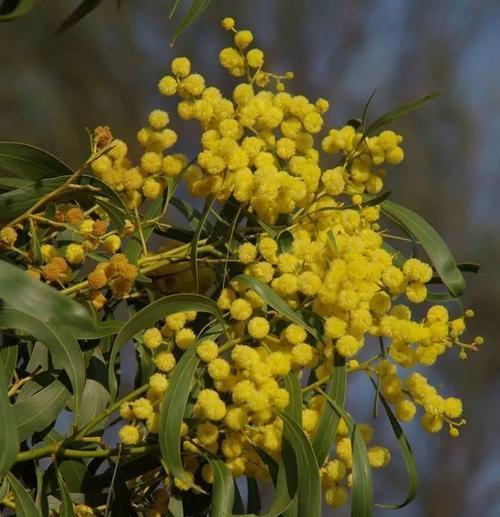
point(195, 9)
point(103, 329)
point(276, 302)
point(223, 490)
point(8, 430)
point(16, 202)
point(95, 394)
point(362, 489)
point(66, 509)
point(40, 300)
point(172, 412)
point(285, 241)
point(35, 413)
point(393, 115)
point(8, 359)
point(192, 215)
point(309, 487)
point(11, 183)
point(25, 506)
point(409, 458)
point(329, 419)
point(150, 315)
point(435, 247)
point(59, 340)
point(83, 9)
point(253, 496)
point(30, 162)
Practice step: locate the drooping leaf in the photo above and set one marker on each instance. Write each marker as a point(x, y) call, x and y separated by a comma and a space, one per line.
point(309, 487)
point(408, 457)
point(329, 419)
point(66, 509)
point(275, 301)
point(35, 413)
point(172, 412)
point(195, 10)
point(59, 340)
point(39, 300)
point(25, 506)
point(223, 490)
point(150, 315)
point(82, 10)
point(8, 431)
point(391, 116)
point(30, 162)
point(434, 246)
point(362, 489)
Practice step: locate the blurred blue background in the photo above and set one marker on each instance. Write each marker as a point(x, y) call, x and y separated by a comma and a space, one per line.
point(104, 71)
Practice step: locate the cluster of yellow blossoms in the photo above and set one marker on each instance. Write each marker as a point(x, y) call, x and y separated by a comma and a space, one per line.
point(260, 147)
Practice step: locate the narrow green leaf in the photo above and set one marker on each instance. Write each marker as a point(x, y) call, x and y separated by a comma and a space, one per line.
point(175, 506)
point(276, 302)
point(391, 116)
point(172, 412)
point(362, 489)
point(8, 430)
point(8, 359)
point(435, 247)
point(4, 488)
point(153, 313)
point(66, 509)
point(41, 301)
point(30, 162)
point(192, 215)
point(253, 496)
point(223, 490)
point(35, 413)
point(83, 9)
point(11, 182)
point(61, 343)
point(294, 408)
point(329, 419)
point(332, 241)
point(195, 10)
point(309, 487)
point(25, 506)
point(16, 202)
point(409, 458)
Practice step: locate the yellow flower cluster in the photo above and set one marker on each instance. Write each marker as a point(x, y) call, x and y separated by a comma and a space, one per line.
point(260, 147)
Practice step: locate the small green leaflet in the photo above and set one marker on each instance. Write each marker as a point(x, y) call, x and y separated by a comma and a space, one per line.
point(8, 430)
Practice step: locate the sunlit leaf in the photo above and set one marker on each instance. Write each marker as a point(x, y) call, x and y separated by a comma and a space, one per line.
point(223, 490)
point(329, 419)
